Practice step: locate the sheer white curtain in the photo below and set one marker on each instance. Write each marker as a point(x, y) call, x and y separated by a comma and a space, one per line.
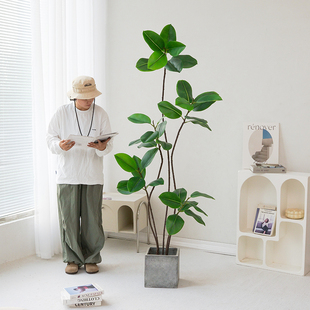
point(68, 41)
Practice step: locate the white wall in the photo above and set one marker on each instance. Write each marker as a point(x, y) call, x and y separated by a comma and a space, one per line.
point(255, 54)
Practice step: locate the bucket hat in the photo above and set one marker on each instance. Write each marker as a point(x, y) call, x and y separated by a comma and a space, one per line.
point(83, 87)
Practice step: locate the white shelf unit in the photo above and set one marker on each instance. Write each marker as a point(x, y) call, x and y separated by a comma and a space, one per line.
point(288, 250)
point(125, 214)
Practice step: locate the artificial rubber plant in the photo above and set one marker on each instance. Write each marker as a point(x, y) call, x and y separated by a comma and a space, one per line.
point(155, 140)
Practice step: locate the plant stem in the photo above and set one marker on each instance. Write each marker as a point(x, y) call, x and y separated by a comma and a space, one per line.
point(149, 199)
point(160, 168)
point(164, 82)
point(152, 220)
point(168, 244)
point(165, 133)
point(173, 176)
point(173, 149)
point(169, 185)
point(164, 229)
point(168, 162)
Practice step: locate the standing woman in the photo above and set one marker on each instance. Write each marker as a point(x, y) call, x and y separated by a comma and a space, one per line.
point(80, 175)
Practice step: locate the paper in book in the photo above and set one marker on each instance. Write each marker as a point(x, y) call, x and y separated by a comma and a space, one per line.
point(82, 142)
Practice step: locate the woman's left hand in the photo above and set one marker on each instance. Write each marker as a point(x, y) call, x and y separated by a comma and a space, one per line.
point(100, 146)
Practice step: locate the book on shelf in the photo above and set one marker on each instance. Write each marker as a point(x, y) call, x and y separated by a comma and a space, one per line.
point(267, 168)
point(88, 295)
point(265, 220)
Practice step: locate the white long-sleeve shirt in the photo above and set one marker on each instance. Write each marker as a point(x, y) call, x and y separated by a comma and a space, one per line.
point(78, 166)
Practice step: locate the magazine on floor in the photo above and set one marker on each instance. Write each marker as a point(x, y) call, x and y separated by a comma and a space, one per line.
point(82, 293)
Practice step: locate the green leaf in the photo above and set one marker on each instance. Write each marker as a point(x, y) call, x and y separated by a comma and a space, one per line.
point(139, 171)
point(200, 210)
point(182, 193)
point(157, 60)
point(148, 144)
point(148, 158)
point(139, 118)
point(168, 34)
point(198, 121)
point(135, 184)
point(202, 106)
point(170, 199)
point(174, 224)
point(185, 207)
point(174, 65)
point(166, 146)
point(126, 162)
point(205, 100)
point(188, 204)
point(184, 90)
point(187, 61)
point(149, 136)
point(175, 48)
point(122, 188)
point(135, 142)
point(142, 65)
point(161, 128)
point(183, 103)
point(157, 182)
point(169, 110)
point(195, 216)
point(146, 135)
point(154, 40)
point(207, 97)
point(193, 203)
point(199, 194)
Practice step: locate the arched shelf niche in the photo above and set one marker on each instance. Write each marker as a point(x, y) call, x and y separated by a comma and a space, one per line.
point(254, 191)
point(292, 196)
point(125, 219)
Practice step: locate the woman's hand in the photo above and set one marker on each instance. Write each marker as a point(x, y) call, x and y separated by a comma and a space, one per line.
point(100, 146)
point(66, 145)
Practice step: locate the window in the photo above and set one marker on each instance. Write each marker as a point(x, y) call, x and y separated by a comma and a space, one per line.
point(16, 160)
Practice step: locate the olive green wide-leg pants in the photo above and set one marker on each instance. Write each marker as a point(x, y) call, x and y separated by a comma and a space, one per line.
point(80, 220)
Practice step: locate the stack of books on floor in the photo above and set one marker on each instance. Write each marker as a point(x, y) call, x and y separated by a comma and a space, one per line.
point(89, 295)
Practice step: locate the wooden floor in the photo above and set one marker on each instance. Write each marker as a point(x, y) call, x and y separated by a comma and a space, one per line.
point(207, 281)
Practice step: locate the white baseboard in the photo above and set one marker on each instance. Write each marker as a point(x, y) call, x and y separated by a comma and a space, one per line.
point(208, 246)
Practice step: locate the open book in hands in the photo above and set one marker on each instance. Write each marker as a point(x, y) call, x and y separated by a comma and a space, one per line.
point(82, 142)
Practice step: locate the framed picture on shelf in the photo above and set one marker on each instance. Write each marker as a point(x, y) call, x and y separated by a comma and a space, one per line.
point(260, 144)
point(265, 220)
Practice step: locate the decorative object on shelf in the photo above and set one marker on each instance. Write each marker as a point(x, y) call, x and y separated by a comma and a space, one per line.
point(265, 220)
point(288, 250)
point(294, 213)
point(175, 198)
point(260, 144)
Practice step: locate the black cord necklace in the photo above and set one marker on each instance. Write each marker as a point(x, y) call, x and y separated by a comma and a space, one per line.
point(92, 118)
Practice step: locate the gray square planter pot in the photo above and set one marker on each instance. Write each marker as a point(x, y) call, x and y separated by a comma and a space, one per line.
point(162, 270)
